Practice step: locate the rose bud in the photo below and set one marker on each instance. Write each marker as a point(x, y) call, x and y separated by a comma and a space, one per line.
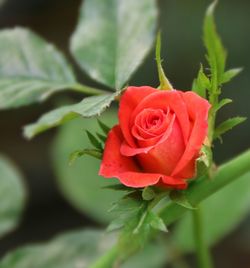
point(158, 138)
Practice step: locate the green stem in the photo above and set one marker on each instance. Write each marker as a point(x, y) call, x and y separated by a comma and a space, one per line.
point(107, 260)
point(86, 89)
point(197, 192)
point(202, 251)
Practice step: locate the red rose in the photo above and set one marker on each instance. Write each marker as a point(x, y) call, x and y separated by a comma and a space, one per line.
point(158, 139)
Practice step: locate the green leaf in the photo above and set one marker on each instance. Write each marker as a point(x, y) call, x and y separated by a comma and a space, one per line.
point(80, 183)
point(31, 69)
point(12, 196)
point(180, 198)
point(94, 141)
point(230, 74)
point(222, 213)
point(227, 125)
point(201, 83)
point(164, 83)
point(75, 249)
point(78, 153)
point(88, 107)
point(216, 54)
point(103, 126)
point(80, 249)
point(222, 103)
point(113, 37)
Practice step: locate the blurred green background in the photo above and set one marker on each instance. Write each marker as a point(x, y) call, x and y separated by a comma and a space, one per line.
point(48, 212)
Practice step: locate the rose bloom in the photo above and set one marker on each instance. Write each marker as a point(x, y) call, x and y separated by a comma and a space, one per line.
point(158, 138)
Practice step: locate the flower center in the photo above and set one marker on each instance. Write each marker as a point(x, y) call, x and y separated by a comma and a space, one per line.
point(150, 123)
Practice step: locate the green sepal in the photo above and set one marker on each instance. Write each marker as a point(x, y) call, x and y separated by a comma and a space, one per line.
point(104, 127)
point(101, 137)
point(228, 125)
point(203, 164)
point(131, 201)
point(157, 222)
point(119, 187)
point(164, 82)
point(180, 198)
point(78, 153)
point(94, 141)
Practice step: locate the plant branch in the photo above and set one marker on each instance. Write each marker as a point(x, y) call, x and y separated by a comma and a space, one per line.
point(202, 251)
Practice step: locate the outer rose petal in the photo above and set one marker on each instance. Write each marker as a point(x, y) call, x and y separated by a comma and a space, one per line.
point(129, 100)
point(198, 111)
point(125, 168)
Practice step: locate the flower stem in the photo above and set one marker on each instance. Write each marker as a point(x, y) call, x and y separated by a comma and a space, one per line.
point(202, 251)
point(107, 260)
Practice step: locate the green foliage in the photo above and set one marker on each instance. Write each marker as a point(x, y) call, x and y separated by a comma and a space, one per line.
point(204, 163)
point(232, 202)
point(230, 74)
point(164, 83)
point(216, 57)
point(88, 107)
point(103, 126)
point(227, 125)
point(75, 249)
point(80, 183)
point(181, 199)
point(138, 229)
point(216, 54)
point(12, 196)
point(78, 153)
point(156, 222)
point(94, 141)
point(148, 193)
point(222, 103)
point(126, 209)
point(101, 137)
point(31, 69)
point(201, 84)
point(80, 249)
point(113, 37)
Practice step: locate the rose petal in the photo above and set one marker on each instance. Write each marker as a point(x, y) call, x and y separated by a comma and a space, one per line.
point(124, 168)
point(129, 101)
point(198, 111)
point(127, 150)
point(163, 157)
point(162, 100)
point(172, 182)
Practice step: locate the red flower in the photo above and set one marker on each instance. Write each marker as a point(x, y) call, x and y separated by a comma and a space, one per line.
point(158, 139)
